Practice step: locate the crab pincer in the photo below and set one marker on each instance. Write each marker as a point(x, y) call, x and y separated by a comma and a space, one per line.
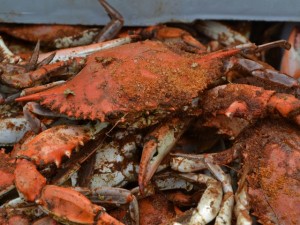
point(64, 204)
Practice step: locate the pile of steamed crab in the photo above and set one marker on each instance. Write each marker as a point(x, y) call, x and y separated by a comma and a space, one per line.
point(157, 125)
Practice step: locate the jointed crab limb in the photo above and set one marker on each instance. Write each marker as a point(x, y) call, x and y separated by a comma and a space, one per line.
point(225, 213)
point(79, 208)
point(114, 26)
point(116, 196)
point(241, 208)
point(32, 90)
point(249, 103)
point(32, 64)
point(169, 35)
point(169, 181)
point(80, 38)
point(83, 51)
point(45, 72)
point(6, 54)
point(220, 32)
point(259, 70)
point(207, 161)
point(192, 163)
point(12, 129)
point(210, 202)
point(157, 146)
point(31, 110)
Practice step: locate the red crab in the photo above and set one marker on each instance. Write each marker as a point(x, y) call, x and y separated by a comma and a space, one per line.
point(271, 153)
point(138, 85)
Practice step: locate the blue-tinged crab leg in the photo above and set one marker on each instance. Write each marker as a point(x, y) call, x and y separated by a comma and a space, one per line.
point(12, 129)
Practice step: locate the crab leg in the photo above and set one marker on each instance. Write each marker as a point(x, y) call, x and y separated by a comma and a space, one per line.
point(225, 213)
point(12, 129)
point(208, 161)
point(31, 109)
point(210, 202)
point(28, 91)
point(114, 26)
point(30, 78)
point(79, 208)
point(6, 54)
point(93, 34)
point(191, 163)
point(83, 51)
point(259, 70)
point(169, 34)
point(112, 195)
point(169, 181)
point(241, 208)
point(249, 103)
point(221, 33)
point(158, 144)
point(82, 38)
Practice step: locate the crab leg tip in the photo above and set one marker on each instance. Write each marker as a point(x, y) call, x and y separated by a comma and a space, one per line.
point(68, 153)
point(57, 163)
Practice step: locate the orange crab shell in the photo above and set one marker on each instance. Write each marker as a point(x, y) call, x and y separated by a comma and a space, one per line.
point(272, 159)
point(133, 78)
point(7, 167)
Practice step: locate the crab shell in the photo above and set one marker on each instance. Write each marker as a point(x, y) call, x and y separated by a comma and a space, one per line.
point(133, 79)
point(271, 162)
point(7, 167)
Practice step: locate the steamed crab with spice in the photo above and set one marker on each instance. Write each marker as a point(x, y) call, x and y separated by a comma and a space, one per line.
point(137, 85)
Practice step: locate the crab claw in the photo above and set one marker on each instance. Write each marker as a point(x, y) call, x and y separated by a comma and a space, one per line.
point(30, 78)
point(249, 103)
point(158, 145)
point(290, 63)
point(52, 144)
point(170, 34)
point(64, 204)
point(67, 203)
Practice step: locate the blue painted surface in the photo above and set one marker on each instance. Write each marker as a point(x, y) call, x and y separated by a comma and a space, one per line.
point(146, 12)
